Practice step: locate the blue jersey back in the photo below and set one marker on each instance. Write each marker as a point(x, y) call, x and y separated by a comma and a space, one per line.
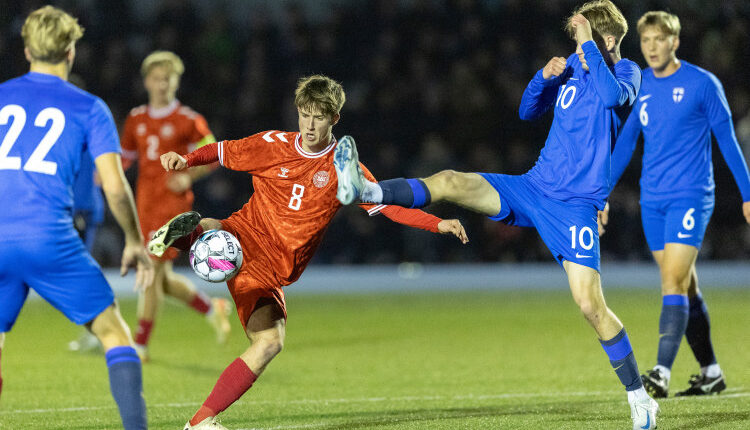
point(87, 196)
point(575, 160)
point(46, 124)
point(676, 115)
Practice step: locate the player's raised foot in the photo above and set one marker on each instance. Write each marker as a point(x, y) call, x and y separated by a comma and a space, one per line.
point(209, 423)
point(181, 225)
point(701, 385)
point(643, 412)
point(142, 351)
point(350, 176)
point(655, 383)
point(219, 318)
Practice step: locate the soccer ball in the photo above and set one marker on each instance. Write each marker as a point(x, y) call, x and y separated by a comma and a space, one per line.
point(216, 256)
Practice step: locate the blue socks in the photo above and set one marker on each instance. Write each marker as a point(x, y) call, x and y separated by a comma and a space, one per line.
point(126, 384)
point(409, 193)
point(672, 325)
point(621, 358)
point(698, 332)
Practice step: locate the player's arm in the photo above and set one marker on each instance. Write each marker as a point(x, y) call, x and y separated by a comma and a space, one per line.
point(202, 156)
point(417, 218)
point(540, 93)
point(120, 200)
point(183, 181)
point(615, 90)
point(624, 147)
point(719, 116)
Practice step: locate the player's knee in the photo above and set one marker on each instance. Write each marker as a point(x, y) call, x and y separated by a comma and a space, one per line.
point(592, 310)
point(446, 182)
point(675, 281)
point(270, 346)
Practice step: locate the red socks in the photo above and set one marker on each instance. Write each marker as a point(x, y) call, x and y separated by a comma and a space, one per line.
point(232, 384)
point(201, 303)
point(183, 243)
point(143, 333)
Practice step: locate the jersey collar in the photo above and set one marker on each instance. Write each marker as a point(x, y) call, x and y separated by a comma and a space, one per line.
point(306, 154)
point(165, 111)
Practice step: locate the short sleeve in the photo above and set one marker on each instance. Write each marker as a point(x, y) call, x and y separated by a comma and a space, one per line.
point(101, 132)
point(200, 134)
point(128, 141)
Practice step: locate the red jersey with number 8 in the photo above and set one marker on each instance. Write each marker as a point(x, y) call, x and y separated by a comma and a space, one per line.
point(293, 202)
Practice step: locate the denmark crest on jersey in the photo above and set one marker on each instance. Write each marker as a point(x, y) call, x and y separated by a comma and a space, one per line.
point(320, 179)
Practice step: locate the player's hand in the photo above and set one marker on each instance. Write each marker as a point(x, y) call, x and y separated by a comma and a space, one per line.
point(746, 211)
point(135, 255)
point(602, 219)
point(179, 182)
point(555, 67)
point(454, 227)
point(582, 26)
point(173, 161)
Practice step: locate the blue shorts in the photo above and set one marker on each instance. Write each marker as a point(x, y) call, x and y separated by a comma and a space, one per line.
point(676, 221)
point(568, 228)
point(59, 270)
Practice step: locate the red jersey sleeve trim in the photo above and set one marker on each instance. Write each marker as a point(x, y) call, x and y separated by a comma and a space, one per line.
point(411, 217)
point(204, 155)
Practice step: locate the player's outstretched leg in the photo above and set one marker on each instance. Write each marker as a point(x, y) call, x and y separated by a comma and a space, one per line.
point(125, 378)
point(585, 284)
point(468, 190)
point(179, 226)
point(266, 329)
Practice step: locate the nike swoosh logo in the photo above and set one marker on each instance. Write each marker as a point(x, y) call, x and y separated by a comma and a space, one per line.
point(681, 235)
point(646, 97)
point(572, 79)
point(619, 366)
point(648, 422)
point(583, 256)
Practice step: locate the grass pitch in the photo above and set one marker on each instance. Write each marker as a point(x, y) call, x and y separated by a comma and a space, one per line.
point(467, 360)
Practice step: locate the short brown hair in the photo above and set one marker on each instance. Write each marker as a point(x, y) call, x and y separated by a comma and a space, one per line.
point(49, 33)
point(162, 58)
point(605, 19)
point(320, 92)
point(667, 22)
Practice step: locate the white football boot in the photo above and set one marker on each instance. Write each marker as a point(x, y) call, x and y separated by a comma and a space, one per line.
point(209, 423)
point(219, 318)
point(350, 176)
point(643, 411)
point(181, 225)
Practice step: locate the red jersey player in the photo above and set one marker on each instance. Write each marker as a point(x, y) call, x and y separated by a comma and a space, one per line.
point(151, 130)
point(279, 228)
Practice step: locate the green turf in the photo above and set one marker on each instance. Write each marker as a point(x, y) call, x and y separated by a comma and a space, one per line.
point(468, 360)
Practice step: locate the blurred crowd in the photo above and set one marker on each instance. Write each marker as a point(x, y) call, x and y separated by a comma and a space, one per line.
point(430, 85)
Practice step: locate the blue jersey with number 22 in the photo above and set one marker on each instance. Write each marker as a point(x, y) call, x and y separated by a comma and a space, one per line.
point(46, 124)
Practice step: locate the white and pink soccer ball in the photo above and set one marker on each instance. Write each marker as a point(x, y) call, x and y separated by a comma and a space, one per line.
point(216, 256)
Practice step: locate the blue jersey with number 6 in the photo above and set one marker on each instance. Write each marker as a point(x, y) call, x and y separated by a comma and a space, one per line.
point(46, 124)
point(677, 114)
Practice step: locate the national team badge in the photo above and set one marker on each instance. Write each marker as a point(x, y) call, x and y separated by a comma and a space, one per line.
point(677, 94)
point(167, 131)
point(141, 129)
point(320, 179)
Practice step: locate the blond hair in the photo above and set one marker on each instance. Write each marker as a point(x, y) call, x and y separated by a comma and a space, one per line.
point(320, 92)
point(668, 23)
point(605, 19)
point(168, 59)
point(49, 33)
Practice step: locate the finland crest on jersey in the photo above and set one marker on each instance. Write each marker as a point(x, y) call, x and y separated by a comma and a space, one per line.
point(677, 94)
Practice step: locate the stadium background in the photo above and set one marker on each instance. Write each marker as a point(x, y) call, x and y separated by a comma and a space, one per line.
point(430, 85)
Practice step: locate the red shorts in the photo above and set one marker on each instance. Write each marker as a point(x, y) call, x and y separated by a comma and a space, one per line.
point(254, 281)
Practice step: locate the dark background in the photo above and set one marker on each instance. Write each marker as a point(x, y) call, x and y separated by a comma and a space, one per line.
point(430, 85)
